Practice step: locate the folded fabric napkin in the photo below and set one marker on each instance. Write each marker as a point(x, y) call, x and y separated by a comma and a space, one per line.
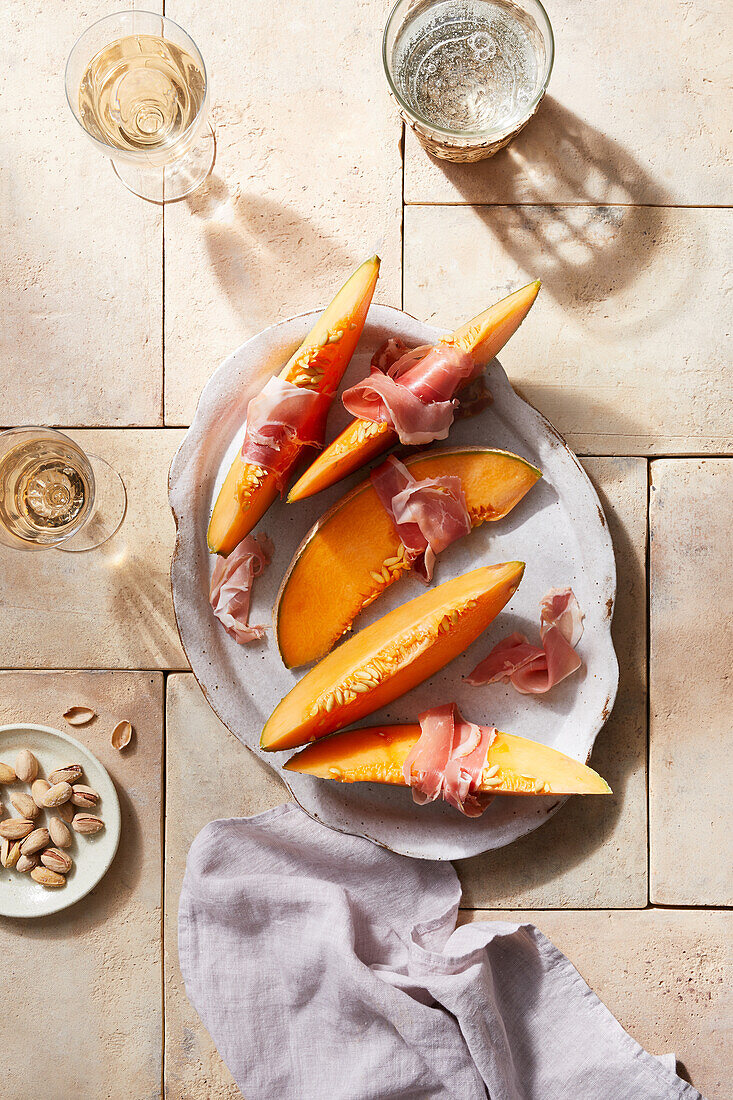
point(327, 968)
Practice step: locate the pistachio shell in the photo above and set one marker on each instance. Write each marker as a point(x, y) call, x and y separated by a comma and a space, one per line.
point(9, 852)
point(7, 774)
point(70, 773)
point(38, 789)
point(57, 860)
point(121, 735)
point(84, 797)
point(25, 805)
point(60, 834)
point(87, 824)
point(47, 877)
point(16, 828)
point(79, 716)
point(26, 766)
point(26, 863)
point(36, 840)
point(66, 811)
point(56, 796)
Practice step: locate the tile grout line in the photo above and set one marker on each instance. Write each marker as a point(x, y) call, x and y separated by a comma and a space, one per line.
point(648, 679)
point(166, 672)
point(656, 908)
point(581, 205)
point(162, 316)
point(164, 831)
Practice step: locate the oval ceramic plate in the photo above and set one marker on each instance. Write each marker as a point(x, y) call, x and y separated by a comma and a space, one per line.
point(559, 530)
point(20, 895)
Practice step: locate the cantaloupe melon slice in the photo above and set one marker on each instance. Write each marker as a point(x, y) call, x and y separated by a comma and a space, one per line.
point(514, 765)
point(353, 553)
point(362, 440)
point(386, 659)
point(318, 364)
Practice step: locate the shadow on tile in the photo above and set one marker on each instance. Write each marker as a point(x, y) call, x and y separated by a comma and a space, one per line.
point(244, 232)
point(585, 251)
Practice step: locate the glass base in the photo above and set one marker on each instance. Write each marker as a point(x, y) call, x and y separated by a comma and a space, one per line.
point(179, 178)
point(108, 512)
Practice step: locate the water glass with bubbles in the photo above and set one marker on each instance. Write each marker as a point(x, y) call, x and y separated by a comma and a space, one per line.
point(467, 75)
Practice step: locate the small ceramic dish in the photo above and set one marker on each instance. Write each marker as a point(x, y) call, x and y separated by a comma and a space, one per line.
point(20, 895)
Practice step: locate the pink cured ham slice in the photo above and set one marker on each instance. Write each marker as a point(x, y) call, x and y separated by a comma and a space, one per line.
point(415, 395)
point(231, 587)
point(531, 669)
point(448, 760)
point(424, 768)
point(280, 420)
point(428, 515)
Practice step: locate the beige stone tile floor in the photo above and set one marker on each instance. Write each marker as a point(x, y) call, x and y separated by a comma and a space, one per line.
point(81, 989)
point(638, 112)
point(664, 973)
point(690, 745)
point(114, 313)
point(237, 785)
point(281, 222)
point(112, 608)
point(80, 293)
point(621, 350)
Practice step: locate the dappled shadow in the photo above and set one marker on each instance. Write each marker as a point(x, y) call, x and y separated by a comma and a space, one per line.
point(587, 219)
point(250, 239)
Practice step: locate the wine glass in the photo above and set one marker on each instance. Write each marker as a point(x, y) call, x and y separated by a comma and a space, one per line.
point(137, 85)
point(53, 494)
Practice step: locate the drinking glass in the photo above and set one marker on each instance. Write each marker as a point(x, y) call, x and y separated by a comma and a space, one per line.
point(53, 494)
point(467, 75)
point(137, 85)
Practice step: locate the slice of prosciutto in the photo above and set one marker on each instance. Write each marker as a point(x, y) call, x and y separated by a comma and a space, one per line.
point(532, 669)
point(428, 515)
point(412, 392)
point(231, 587)
point(448, 760)
point(280, 420)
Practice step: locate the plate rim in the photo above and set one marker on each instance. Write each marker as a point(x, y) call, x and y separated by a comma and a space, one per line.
point(180, 456)
point(66, 904)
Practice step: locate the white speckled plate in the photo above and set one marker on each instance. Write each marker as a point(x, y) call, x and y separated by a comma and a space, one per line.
point(559, 530)
point(20, 895)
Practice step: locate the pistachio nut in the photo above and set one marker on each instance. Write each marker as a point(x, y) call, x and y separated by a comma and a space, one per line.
point(56, 860)
point(47, 877)
point(16, 828)
point(36, 840)
point(26, 766)
point(57, 795)
point(87, 824)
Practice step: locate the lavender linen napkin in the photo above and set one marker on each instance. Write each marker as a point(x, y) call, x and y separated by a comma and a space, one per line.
point(327, 968)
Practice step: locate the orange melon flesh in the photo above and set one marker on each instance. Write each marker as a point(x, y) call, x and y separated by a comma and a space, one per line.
point(386, 659)
point(377, 755)
point(247, 493)
point(362, 440)
point(339, 568)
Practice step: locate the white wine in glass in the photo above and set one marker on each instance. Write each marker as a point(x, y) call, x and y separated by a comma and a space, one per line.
point(137, 84)
point(52, 494)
